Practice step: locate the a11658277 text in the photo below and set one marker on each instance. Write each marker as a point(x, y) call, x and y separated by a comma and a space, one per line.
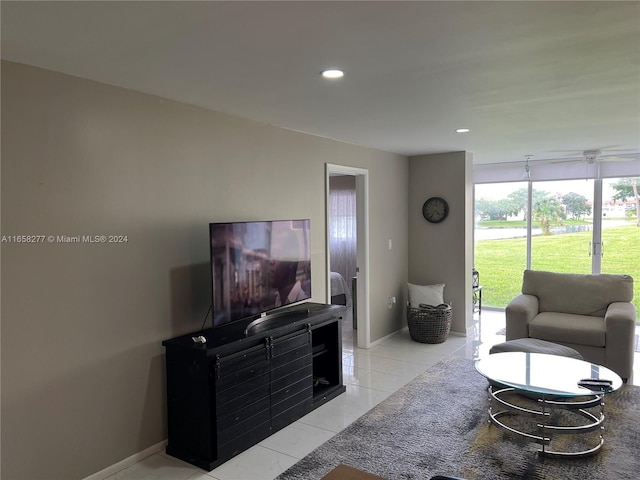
point(66, 239)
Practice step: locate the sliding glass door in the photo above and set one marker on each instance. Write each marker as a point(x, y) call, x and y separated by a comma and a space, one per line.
point(500, 239)
point(562, 226)
point(620, 242)
point(578, 226)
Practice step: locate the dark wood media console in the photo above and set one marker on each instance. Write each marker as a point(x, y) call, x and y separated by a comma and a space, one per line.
point(244, 384)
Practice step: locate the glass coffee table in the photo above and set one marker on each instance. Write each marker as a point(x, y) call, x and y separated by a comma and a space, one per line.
point(537, 396)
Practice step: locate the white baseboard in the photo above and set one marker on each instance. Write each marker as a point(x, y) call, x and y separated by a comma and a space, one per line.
point(380, 340)
point(373, 344)
point(127, 462)
point(457, 334)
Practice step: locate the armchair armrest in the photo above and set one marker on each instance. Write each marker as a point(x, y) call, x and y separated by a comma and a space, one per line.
point(519, 313)
point(620, 325)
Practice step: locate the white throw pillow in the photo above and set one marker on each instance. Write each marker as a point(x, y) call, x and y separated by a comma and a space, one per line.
point(426, 294)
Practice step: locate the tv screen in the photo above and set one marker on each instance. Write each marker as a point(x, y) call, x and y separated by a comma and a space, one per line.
point(258, 266)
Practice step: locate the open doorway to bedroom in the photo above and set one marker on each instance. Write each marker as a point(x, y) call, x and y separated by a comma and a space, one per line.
point(347, 248)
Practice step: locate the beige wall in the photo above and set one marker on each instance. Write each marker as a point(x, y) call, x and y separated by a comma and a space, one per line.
point(443, 252)
point(82, 364)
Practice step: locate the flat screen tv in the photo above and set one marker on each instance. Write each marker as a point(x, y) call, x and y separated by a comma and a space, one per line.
point(257, 267)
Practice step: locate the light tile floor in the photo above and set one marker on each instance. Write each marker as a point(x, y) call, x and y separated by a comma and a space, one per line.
point(370, 376)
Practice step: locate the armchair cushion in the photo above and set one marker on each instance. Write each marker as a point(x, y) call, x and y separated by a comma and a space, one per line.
point(582, 294)
point(568, 328)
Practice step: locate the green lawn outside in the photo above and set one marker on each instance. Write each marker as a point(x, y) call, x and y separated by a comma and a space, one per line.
point(501, 262)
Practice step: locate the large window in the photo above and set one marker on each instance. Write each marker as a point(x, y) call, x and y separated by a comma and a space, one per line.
point(582, 226)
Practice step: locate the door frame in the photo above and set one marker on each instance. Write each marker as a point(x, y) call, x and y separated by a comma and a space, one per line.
point(596, 235)
point(362, 228)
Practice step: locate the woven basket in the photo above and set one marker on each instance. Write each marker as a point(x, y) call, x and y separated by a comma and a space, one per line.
point(429, 324)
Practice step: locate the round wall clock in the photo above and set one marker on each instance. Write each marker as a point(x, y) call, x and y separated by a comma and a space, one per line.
point(435, 209)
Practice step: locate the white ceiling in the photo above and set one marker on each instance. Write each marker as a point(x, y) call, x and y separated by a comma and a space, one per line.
point(525, 77)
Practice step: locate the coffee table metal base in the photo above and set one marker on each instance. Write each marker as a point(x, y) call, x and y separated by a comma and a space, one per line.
point(541, 414)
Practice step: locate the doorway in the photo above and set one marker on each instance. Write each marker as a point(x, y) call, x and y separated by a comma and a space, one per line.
point(341, 227)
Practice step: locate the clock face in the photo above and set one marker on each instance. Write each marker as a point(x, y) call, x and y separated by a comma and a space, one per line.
point(435, 209)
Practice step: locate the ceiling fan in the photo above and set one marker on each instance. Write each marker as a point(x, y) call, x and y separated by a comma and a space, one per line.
point(596, 155)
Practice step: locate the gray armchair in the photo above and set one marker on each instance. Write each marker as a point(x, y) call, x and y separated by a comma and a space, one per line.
point(592, 314)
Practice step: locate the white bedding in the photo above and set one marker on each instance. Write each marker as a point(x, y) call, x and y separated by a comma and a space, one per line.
point(340, 286)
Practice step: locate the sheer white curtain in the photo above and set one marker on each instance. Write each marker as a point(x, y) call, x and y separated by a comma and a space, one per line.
point(342, 226)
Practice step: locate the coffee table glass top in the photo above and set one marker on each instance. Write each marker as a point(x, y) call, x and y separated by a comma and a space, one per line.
point(544, 374)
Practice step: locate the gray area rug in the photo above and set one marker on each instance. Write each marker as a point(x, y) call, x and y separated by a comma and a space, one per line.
point(438, 425)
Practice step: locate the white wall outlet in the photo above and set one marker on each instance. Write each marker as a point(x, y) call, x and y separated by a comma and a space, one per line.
point(392, 302)
point(390, 244)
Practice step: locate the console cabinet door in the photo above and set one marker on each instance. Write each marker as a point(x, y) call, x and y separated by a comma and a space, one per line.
point(242, 402)
point(291, 378)
point(189, 398)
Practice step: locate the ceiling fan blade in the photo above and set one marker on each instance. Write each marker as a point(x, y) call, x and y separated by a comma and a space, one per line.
point(614, 158)
point(570, 160)
point(590, 157)
point(572, 153)
point(575, 152)
point(611, 148)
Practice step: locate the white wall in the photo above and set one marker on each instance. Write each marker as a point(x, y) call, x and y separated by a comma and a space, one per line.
point(443, 252)
point(82, 363)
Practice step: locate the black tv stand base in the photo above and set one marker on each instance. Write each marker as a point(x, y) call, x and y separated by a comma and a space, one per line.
point(225, 398)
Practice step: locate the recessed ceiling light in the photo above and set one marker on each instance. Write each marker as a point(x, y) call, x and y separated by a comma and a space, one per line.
point(462, 130)
point(332, 73)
